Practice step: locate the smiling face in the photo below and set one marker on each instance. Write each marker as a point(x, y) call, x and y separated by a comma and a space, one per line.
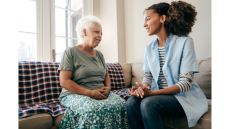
point(93, 35)
point(152, 22)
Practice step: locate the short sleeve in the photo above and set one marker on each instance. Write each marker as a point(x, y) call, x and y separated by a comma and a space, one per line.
point(67, 62)
point(188, 59)
point(145, 65)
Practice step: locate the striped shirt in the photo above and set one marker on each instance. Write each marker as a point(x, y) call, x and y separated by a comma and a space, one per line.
point(162, 83)
point(185, 81)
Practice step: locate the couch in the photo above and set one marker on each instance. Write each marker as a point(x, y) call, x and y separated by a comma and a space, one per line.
point(133, 73)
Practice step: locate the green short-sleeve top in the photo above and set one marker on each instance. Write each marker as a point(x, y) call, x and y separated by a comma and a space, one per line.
point(88, 72)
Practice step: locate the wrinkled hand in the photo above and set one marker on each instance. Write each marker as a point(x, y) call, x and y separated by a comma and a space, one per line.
point(142, 91)
point(105, 91)
point(97, 94)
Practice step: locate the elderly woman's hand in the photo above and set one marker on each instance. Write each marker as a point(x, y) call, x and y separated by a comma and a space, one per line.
point(105, 91)
point(97, 94)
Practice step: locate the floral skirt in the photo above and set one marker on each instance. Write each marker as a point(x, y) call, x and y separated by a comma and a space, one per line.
point(84, 112)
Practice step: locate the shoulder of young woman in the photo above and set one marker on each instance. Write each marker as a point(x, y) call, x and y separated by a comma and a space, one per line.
point(182, 38)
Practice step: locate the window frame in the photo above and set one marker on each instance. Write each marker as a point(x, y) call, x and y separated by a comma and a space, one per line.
point(46, 27)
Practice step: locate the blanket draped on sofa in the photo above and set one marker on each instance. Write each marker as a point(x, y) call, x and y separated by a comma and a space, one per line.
point(39, 87)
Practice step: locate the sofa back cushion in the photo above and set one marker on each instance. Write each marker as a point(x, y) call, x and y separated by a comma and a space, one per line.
point(127, 70)
point(204, 77)
point(137, 73)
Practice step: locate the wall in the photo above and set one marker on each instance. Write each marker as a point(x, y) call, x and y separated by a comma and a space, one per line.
point(96, 12)
point(136, 37)
point(124, 37)
point(111, 13)
point(121, 31)
point(109, 46)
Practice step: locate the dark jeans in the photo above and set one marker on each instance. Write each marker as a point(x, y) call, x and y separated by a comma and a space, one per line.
point(145, 113)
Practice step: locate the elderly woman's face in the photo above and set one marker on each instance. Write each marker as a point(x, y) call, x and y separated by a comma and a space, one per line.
point(94, 35)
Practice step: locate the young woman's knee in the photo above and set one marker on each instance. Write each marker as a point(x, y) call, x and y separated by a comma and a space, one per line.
point(132, 102)
point(148, 105)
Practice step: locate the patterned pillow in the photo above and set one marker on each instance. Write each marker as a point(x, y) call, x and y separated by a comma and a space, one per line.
point(116, 75)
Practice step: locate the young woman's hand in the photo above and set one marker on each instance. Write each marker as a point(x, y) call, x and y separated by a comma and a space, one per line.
point(97, 94)
point(142, 91)
point(132, 91)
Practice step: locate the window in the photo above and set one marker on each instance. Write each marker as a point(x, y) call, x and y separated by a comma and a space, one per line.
point(48, 27)
point(67, 14)
point(27, 49)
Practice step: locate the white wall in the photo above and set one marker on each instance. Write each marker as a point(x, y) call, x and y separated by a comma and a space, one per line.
point(121, 31)
point(111, 13)
point(96, 12)
point(124, 37)
point(108, 44)
point(136, 36)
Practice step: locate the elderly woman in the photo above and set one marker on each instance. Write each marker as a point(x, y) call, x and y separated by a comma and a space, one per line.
point(85, 83)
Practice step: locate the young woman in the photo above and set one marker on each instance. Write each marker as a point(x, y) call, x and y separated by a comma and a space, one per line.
point(171, 61)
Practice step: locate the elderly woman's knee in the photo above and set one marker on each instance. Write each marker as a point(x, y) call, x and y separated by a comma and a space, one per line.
point(118, 105)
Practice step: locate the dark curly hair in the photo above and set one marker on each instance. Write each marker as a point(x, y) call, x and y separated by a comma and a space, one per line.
point(180, 16)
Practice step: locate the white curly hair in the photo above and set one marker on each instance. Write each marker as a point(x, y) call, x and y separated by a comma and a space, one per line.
point(86, 22)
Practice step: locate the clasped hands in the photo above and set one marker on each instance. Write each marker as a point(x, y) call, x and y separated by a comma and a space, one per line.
point(141, 92)
point(101, 93)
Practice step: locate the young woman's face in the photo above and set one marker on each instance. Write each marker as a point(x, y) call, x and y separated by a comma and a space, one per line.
point(94, 35)
point(152, 22)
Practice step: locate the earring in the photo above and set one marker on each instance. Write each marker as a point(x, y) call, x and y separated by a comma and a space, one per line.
point(85, 35)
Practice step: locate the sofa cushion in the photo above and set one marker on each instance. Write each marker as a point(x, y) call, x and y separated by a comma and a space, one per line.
point(38, 121)
point(204, 78)
point(181, 123)
point(127, 69)
point(54, 127)
point(57, 120)
point(137, 73)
